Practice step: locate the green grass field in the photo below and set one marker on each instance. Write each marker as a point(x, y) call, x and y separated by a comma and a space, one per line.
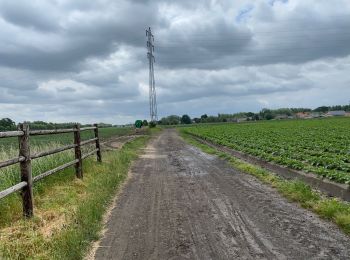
point(320, 146)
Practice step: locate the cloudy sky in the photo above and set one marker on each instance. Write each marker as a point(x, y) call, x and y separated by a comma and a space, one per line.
point(65, 60)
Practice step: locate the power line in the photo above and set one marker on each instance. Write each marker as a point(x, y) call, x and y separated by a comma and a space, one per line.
point(152, 88)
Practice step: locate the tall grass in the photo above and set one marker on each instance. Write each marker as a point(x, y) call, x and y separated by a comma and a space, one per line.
point(10, 208)
point(66, 138)
point(68, 211)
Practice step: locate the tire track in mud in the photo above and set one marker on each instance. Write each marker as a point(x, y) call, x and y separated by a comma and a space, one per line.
point(181, 203)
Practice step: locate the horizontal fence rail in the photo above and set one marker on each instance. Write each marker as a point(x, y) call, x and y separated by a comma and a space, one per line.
point(52, 132)
point(24, 159)
point(12, 161)
point(12, 189)
point(57, 150)
point(11, 134)
point(57, 169)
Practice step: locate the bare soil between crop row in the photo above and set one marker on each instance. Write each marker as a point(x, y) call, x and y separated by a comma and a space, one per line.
point(181, 203)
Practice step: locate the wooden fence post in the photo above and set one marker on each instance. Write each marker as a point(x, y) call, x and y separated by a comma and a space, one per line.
point(77, 149)
point(26, 171)
point(98, 153)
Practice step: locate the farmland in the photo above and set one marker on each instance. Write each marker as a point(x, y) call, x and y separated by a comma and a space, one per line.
point(318, 146)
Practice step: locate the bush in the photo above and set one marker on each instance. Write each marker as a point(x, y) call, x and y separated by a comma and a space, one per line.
point(152, 124)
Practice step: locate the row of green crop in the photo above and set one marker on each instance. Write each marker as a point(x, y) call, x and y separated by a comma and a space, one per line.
point(318, 146)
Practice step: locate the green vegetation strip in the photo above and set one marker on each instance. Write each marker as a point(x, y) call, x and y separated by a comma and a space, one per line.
point(68, 211)
point(318, 146)
point(329, 208)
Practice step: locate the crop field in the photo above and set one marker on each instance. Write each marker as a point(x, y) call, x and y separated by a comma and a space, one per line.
point(9, 149)
point(319, 146)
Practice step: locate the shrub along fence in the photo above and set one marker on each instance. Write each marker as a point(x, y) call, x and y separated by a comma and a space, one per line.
point(24, 159)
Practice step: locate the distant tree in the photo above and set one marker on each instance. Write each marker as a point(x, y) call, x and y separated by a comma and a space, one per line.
point(338, 107)
point(170, 120)
point(300, 109)
point(145, 123)
point(322, 109)
point(204, 116)
point(6, 124)
point(268, 116)
point(256, 117)
point(174, 120)
point(197, 120)
point(265, 112)
point(213, 119)
point(185, 119)
point(152, 124)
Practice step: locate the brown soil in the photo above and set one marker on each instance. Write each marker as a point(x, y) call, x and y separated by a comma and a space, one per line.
point(118, 142)
point(181, 203)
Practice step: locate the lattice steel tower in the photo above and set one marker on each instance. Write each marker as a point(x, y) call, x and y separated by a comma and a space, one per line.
point(152, 87)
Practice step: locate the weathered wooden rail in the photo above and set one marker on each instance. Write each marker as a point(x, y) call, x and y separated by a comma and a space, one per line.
point(25, 157)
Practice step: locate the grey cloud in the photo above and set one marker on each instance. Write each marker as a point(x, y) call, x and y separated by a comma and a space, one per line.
point(29, 14)
point(86, 60)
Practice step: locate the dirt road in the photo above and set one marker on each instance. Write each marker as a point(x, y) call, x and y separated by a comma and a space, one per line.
point(181, 203)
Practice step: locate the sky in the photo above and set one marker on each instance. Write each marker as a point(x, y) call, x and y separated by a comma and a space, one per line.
point(85, 61)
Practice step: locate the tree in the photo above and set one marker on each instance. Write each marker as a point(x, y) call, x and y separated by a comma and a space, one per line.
point(145, 123)
point(323, 109)
point(256, 117)
point(152, 124)
point(197, 120)
point(7, 124)
point(185, 119)
point(269, 116)
point(204, 116)
point(170, 120)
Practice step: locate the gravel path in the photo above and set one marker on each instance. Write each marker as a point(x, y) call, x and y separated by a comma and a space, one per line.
point(181, 203)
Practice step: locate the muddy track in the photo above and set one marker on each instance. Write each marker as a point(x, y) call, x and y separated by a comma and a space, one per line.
point(181, 203)
point(118, 142)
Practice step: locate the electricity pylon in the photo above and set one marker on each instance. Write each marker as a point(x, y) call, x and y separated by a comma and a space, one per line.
point(152, 87)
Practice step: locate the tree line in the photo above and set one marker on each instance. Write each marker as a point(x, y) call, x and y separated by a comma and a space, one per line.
point(264, 114)
point(7, 124)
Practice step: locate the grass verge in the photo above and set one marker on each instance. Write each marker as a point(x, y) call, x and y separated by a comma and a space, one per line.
point(69, 212)
point(332, 209)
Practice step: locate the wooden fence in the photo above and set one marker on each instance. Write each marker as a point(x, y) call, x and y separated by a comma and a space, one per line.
point(24, 159)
